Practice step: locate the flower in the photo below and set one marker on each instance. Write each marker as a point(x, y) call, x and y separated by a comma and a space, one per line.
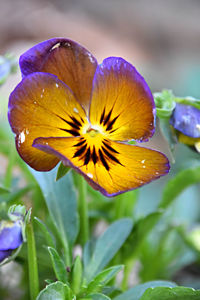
point(186, 120)
point(68, 108)
point(10, 238)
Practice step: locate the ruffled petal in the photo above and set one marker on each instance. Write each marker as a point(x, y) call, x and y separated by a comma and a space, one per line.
point(69, 61)
point(42, 105)
point(111, 168)
point(122, 102)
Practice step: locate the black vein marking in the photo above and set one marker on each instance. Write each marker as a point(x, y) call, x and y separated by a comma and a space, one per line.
point(110, 148)
point(102, 116)
point(111, 123)
point(80, 151)
point(94, 156)
point(71, 131)
point(73, 125)
point(107, 118)
point(104, 162)
point(112, 157)
point(87, 156)
point(76, 121)
point(80, 143)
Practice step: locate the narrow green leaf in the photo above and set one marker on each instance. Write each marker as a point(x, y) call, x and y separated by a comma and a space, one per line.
point(14, 196)
point(169, 135)
point(139, 232)
point(77, 275)
point(62, 170)
point(137, 291)
point(4, 190)
point(45, 231)
point(107, 246)
point(178, 184)
point(61, 201)
point(103, 278)
point(166, 293)
point(56, 291)
point(58, 265)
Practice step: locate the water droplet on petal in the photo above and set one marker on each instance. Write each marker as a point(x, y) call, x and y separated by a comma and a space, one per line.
point(22, 137)
point(57, 85)
point(90, 175)
point(143, 161)
point(75, 110)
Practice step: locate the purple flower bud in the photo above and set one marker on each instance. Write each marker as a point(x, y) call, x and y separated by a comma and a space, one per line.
point(10, 238)
point(186, 119)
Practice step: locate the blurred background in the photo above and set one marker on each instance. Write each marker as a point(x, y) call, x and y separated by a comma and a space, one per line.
point(160, 38)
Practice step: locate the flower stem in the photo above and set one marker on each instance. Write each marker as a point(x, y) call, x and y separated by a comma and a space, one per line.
point(32, 263)
point(83, 211)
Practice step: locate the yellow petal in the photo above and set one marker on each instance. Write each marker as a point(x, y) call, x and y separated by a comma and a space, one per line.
point(110, 167)
point(42, 105)
point(121, 102)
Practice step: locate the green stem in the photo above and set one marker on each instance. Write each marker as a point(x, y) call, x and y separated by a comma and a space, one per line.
point(127, 271)
point(83, 211)
point(32, 263)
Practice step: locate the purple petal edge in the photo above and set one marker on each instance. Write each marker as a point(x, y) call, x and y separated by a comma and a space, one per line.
point(66, 161)
point(32, 60)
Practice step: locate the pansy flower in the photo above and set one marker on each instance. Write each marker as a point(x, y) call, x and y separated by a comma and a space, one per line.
point(68, 108)
point(186, 120)
point(10, 238)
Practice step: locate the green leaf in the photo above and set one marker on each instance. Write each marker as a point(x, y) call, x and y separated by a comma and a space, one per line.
point(62, 170)
point(139, 232)
point(178, 184)
point(58, 265)
point(45, 231)
point(103, 278)
point(77, 275)
point(61, 201)
point(164, 103)
point(3, 190)
point(96, 296)
point(166, 293)
point(56, 291)
point(137, 291)
point(107, 246)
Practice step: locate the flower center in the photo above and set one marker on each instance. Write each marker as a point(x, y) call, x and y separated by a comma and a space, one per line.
point(92, 132)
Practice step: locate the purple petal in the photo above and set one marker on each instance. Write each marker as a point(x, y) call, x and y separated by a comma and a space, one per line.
point(186, 119)
point(4, 254)
point(10, 235)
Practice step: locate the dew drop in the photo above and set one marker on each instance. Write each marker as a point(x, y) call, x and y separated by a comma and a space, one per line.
point(22, 137)
point(75, 110)
point(143, 161)
point(57, 85)
point(157, 173)
point(90, 175)
point(55, 46)
point(144, 167)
